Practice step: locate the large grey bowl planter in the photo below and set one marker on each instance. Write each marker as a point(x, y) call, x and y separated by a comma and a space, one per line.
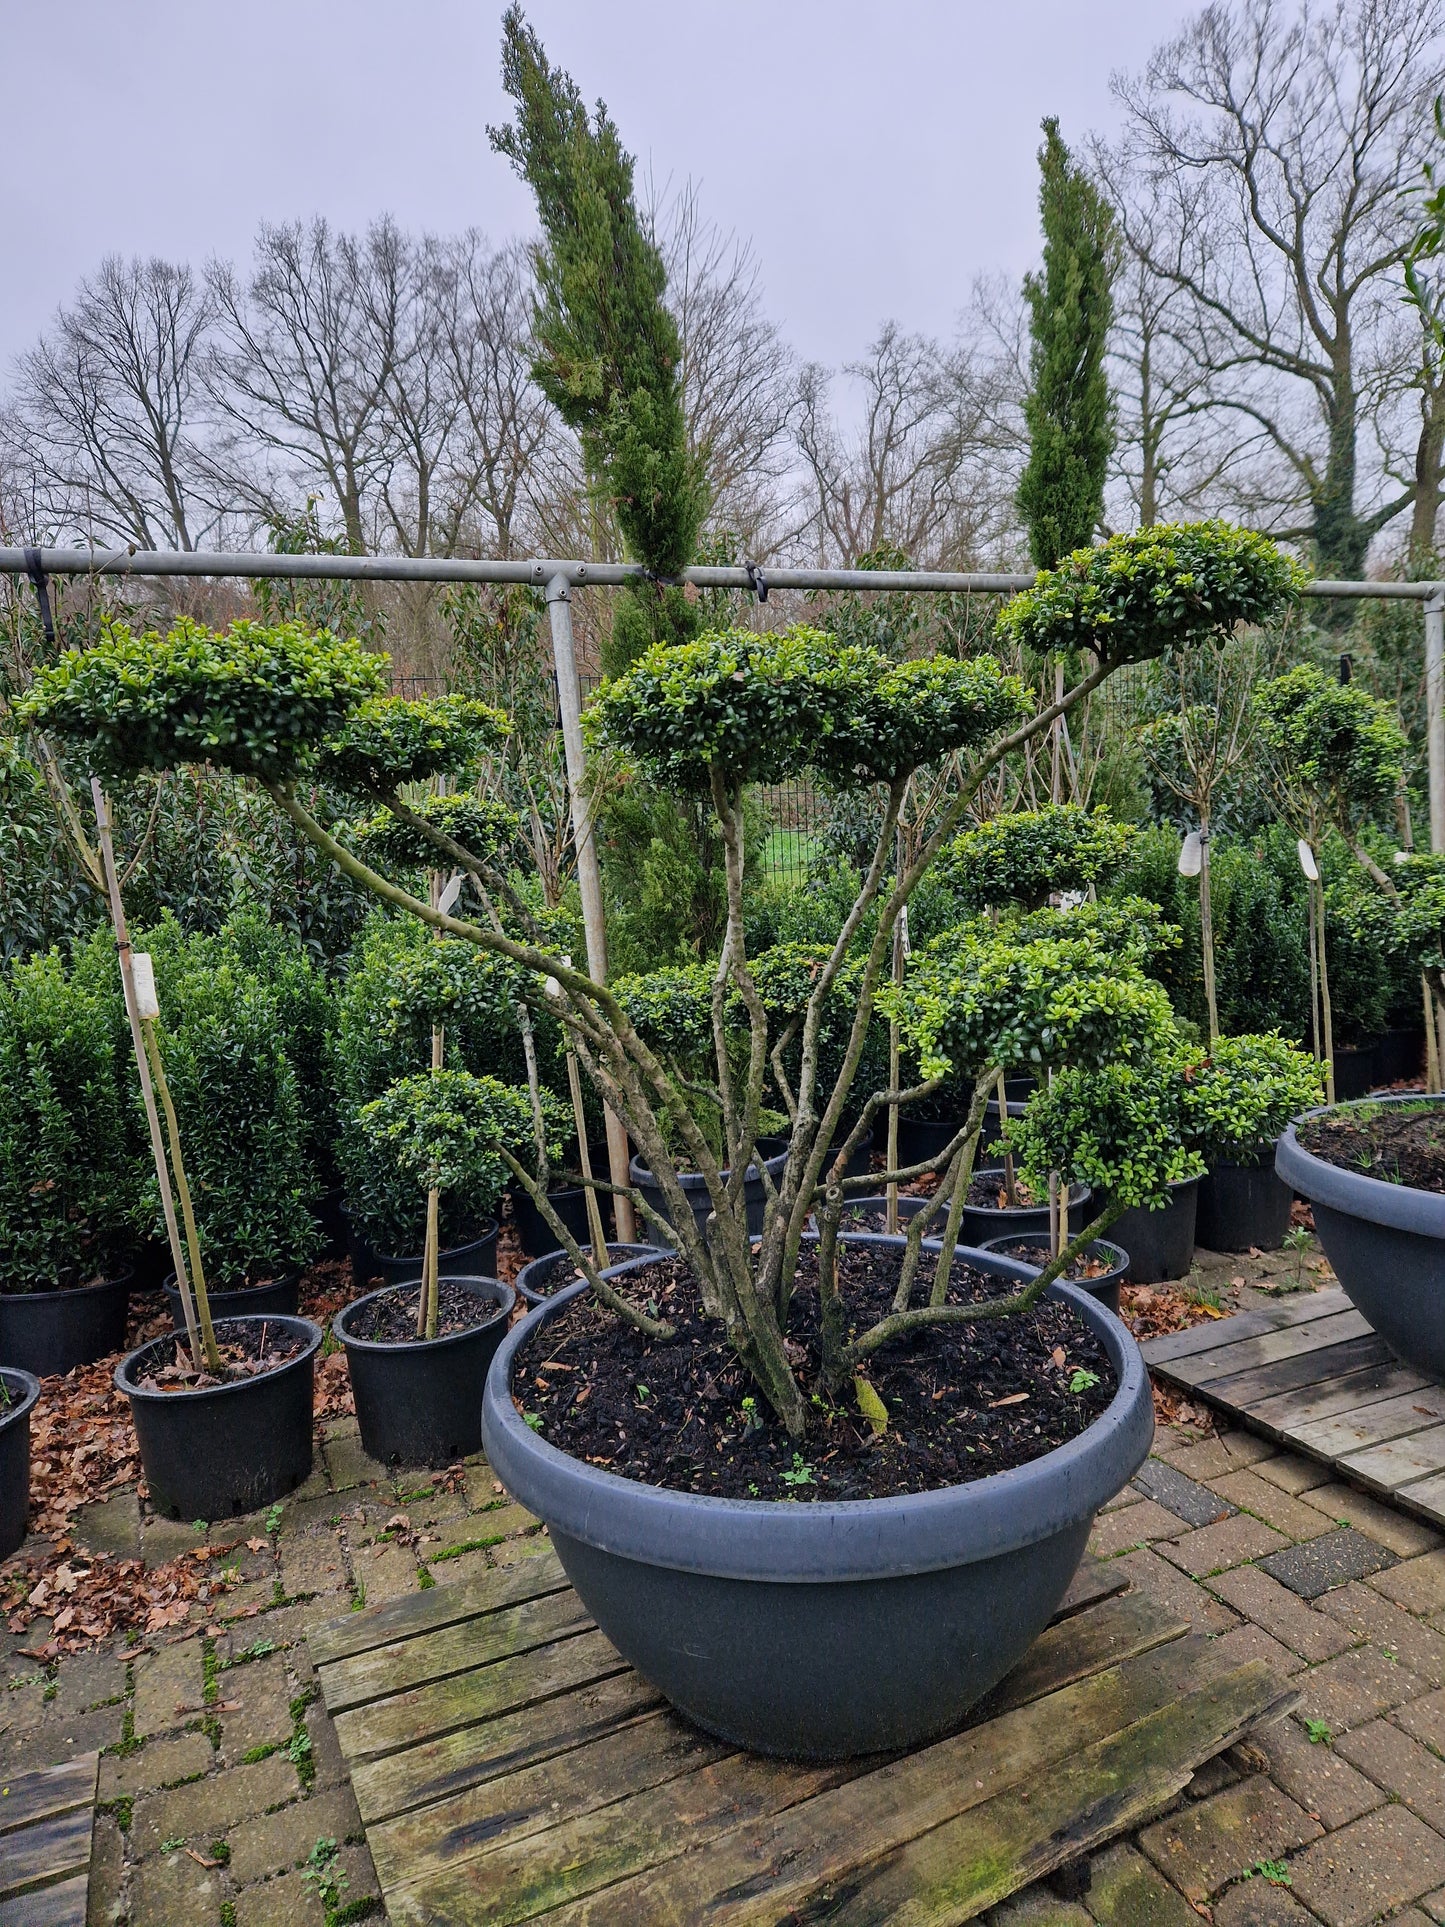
point(1385, 1243)
point(821, 1631)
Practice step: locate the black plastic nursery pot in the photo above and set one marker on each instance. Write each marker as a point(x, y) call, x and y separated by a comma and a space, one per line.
point(1104, 1287)
point(867, 1208)
point(21, 1390)
point(1357, 1072)
point(476, 1259)
point(277, 1297)
point(858, 1160)
point(1385, 1243)
point(1400, 1054)
point(922, 1138)
point(420, 1402)
point(569, 1201)
point(694, 1187)
point(219, 1450)
point(331, 1218)
point(982, 1223)
point(46, 1332)
point(536, 1282)
point(1243, 1207)
point(1160, 1243)
point(794, 1629)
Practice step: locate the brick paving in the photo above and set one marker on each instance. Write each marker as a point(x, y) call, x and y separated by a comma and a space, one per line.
point(224, 1801)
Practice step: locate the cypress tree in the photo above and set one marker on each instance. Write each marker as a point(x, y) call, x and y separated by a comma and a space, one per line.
point(609, 356)
point(1067, 408)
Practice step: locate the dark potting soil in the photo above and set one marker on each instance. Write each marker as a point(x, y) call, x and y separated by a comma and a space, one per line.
point(1400, 1143)
point(987, 1193)
point(1030, 1253)
point(246, 1352)
point(391, 1320)
point(963, 1401)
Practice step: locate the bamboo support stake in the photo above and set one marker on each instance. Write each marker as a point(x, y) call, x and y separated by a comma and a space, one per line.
point(1326, 1014)
point(188, 1216)
point(584, 1159)
point(1432, 1044)
point(148, 1096)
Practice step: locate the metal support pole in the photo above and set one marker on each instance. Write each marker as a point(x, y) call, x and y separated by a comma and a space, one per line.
point(589, 876)
point(1435, 715)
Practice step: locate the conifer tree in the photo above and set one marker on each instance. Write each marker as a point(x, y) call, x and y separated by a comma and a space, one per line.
point(609, 356)
point(1067, 408)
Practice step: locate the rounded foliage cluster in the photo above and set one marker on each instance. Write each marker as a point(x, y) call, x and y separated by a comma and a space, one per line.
point(485, 829)
point(444, 1130)
point(1028, 855)
point(1334, 739)
point(256, 700)
point(976, 999)
point(1171, 586)
point(392, 740)
point(761, 708)
point(1239, 1097)
point(1118, 1127)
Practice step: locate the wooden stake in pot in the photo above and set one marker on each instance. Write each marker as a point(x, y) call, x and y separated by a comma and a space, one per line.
point(584, 1156)
point(141, 1015)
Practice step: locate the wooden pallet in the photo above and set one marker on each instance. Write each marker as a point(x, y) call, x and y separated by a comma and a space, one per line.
point(1311, 1373)
point(45, 1820)
point(510, 1766)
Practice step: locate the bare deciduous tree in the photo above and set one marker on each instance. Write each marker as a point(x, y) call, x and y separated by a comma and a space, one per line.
point(1271, 144)
point(105, 412)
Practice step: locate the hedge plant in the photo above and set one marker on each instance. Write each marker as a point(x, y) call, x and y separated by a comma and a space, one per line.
point(69, 1178)
point(1242, 1094)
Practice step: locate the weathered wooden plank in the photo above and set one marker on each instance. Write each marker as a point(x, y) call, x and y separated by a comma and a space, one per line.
point(1071, 1649)
point(1288, 1342)
point(1346, 1433)
point(638, 1757)
point(955, 1872)
point(1304, 1307)
point(48, 1851)
point(473, 1754)
point(29, 1797)
point(1400, 1462)
point(459, 1648)
point(1260, 1382)
point(1425, 1497)
point(1333, 1393)
point(62, 1905)
point(1208, 1335)
point(767, 1870)
point(365, 1732)
point(479, 1820)
point(424, 1612)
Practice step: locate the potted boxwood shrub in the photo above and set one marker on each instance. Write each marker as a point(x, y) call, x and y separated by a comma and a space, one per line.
point(418, 1353)
point(728, 1604)
point(69, 1182)
point(238, 1104)
point(1237, 1100)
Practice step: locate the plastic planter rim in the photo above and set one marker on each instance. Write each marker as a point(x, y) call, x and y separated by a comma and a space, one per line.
point(825, 1540)
point(501, 1297)
point(29, 1389)
point(1400, 1207)
point(297, 1326)
point(122, 1275)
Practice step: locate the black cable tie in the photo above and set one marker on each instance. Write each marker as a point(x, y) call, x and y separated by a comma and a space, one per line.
point(757, 581)
point(36, 572)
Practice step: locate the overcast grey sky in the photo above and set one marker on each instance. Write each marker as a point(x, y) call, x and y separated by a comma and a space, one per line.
point(878, 155)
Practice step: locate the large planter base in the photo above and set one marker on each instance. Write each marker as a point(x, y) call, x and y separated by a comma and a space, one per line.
point(826, 1630)
point(1385, 1243)
point(213, 1453)
point(1160, 1244)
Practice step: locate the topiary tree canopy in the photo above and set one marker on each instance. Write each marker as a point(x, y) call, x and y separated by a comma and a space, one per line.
point(1030, 855)
point(1172, 586)
point(1334, 740)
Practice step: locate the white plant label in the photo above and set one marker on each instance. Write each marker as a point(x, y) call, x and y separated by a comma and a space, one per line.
point(143, 977)
point(446, 902)
point(1191, 857)
point(1307, 860)
point(903, 931)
